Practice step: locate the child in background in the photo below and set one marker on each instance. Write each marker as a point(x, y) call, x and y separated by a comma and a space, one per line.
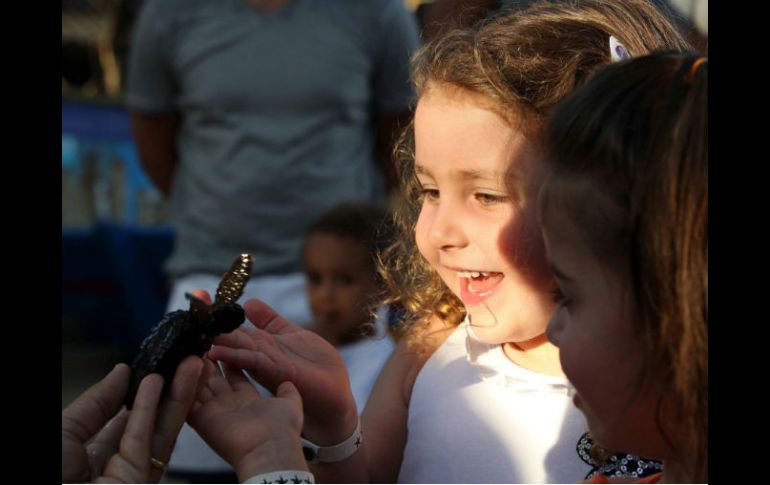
point(339, 260)
point(475, 392)
point(625, 221)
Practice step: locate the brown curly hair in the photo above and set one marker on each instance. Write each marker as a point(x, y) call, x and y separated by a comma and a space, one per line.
point(524, 62)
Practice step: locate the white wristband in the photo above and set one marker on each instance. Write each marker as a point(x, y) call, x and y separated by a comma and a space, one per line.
point(331, 454)
point(283, 476)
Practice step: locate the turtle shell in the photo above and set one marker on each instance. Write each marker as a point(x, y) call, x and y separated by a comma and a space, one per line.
point(190, 332)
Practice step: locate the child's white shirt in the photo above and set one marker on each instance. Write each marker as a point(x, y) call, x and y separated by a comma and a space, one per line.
point(364, 359)
point(476, 417)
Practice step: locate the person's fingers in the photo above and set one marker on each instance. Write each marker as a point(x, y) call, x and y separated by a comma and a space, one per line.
point(263, 316)
point(268, 373)
point(121, 470)
point(106, 443)
point(209, 367)
point(237, 380)
point(238, 357)
point(173, 411)
point(259, 335)
point(95, 407)
point(289, 391)
point(203, 394)
point(268, 369)
point(217, 383)
point(194, 410)
point(202, 294)
point(238, 338)
point(132, 462)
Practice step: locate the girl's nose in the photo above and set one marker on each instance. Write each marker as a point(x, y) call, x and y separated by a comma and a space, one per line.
point(445, 230)
point(325, 290)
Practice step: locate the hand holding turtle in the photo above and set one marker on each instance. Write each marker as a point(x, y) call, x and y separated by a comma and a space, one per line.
point(134, 446)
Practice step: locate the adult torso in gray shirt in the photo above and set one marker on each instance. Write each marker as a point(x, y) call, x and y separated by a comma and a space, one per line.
point(277, 116)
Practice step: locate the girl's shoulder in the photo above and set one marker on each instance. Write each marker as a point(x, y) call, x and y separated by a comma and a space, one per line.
point(430, 337)
point(411, 354)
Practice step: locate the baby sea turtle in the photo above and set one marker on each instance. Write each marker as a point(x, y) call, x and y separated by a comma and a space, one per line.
point(190, 332)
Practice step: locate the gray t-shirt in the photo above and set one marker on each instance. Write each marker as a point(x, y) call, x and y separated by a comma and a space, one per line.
point(277, 116)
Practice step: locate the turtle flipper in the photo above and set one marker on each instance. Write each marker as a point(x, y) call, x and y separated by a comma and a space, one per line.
point(231, 286)
point(154, 351)
point(199, 310)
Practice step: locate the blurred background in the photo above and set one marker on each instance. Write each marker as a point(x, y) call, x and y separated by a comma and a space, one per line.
point(112, 216)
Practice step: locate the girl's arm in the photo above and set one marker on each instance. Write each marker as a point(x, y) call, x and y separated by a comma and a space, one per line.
point(383, 426)
point(384, 420)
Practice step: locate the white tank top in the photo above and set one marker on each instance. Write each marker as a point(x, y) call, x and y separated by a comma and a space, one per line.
point(476, 417)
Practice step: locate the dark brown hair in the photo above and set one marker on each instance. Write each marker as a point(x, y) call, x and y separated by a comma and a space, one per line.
point(366, 223)
point(629, 160)
point(523, 62)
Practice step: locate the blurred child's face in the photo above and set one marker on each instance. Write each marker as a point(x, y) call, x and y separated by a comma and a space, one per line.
point(598, 348)
point(486, 248)
point(341, 278)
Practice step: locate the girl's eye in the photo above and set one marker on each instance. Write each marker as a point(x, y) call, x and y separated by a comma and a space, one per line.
point(490, 199)
point(344, 280)
point(559, 297)
point(429, 194)
point(313, 278)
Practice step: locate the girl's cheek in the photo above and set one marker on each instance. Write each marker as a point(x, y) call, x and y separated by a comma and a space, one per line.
point(524, 248)
point(421, 238)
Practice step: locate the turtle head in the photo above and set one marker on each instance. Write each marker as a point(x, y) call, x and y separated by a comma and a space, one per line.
point(227, 316)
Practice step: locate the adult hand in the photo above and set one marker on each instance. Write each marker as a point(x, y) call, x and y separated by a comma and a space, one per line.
point(254, 434)
point(277, 351)
point(121, 449)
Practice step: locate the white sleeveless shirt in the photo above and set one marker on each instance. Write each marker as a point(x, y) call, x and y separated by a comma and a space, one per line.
point(476, 417)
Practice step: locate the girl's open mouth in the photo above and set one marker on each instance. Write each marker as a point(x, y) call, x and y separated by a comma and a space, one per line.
point(476, 286)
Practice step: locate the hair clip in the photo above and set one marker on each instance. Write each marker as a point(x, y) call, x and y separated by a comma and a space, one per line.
point(694, 68)
point(618, 51)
